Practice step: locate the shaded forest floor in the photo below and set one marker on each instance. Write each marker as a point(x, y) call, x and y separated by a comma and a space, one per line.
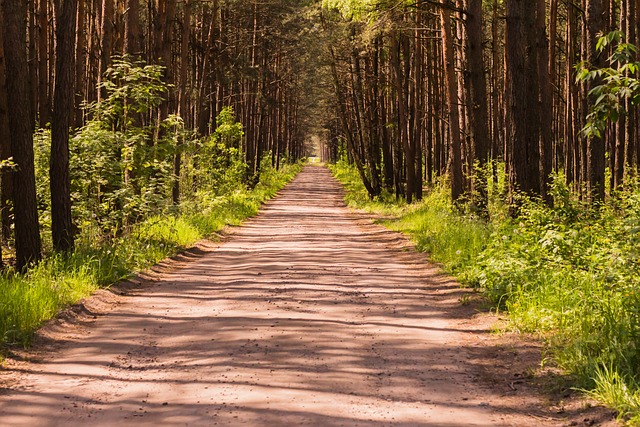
point(307, 315)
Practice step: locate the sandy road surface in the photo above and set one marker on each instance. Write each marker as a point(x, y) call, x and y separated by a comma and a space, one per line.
point(307, 315)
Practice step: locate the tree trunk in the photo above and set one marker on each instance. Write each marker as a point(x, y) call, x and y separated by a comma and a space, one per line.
point(6, 181)
point(596, 16)
point(164, 33)
point(184, 99)
point(417, 89)
point(478, 95)
point(625, 145)
point(132, 37)
point(60, 183)
point(400, 81)
point(545, 106)
point(522, 83)
point(451, 89)
point(106, 40)
point(387, 146)
point(345, 126)
point(44, 102)
point(80, 63)
point(204, 107)
point(27, 228)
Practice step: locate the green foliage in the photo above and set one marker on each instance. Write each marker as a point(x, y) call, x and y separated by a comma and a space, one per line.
point(228, 132)
point(28, 300)
point(42, 148)
point(569, 273)
point(214, 165)
point(614, 391)
point(613, 84)
point(365, 10)
point(358, 197)
point(433, 224)
point(350, 8)
point(121, 161)
point(121, 170)
point(438, 229)
point(131, 88)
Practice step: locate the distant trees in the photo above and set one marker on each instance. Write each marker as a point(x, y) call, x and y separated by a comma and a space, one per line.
point(481, 81)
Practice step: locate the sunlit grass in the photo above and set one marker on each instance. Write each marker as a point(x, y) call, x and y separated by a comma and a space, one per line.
point(356, 195)
point(614, 391)
point(448, 238)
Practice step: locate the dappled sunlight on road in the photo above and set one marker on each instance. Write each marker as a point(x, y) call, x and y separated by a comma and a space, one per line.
point(305, 316)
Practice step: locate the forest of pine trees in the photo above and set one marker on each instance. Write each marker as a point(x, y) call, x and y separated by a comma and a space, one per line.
point(124, 118)
point(433, 88)
point(410, 90)
point(121, 96)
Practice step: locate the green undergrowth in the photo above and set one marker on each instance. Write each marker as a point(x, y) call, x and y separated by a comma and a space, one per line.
point(356, 196)
point(570, 274)
point(26, 301)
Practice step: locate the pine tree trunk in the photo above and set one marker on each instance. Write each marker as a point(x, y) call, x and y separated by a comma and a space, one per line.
point(6, 181)
point(27, 228)
point(625, 144)
point(44, 102)
point(545, 106)
point(106, 40)
point(60, 183)
point(522, 83)
point(80, 63)
point(400, 81)
point(596, 15)
point(417, 89)
point(184, 100)
point(478, 95)
point(132, 38)
point(451, 91)
point(345, 125)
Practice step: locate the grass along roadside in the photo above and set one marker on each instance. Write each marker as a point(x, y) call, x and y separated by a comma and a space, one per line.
point(26, 301)
point(570, 274)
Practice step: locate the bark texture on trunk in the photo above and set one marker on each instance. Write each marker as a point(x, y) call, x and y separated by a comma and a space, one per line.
point(522, 97)
point(596, 16)
point(451, 92)
point(27, 229)
point(60, 183)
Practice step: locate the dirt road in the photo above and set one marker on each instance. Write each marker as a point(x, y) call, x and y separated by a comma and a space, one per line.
point(307, 315)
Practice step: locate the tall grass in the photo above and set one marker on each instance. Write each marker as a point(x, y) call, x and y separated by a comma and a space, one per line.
point(433, 224)
point(570, 273)
point(26, 301)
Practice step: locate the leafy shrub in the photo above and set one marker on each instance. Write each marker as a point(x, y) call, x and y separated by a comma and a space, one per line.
point(122, 177)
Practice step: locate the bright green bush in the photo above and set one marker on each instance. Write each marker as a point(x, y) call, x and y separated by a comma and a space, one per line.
point(122, 179)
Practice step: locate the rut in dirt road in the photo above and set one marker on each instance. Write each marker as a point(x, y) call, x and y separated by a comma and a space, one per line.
point(306, 315)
